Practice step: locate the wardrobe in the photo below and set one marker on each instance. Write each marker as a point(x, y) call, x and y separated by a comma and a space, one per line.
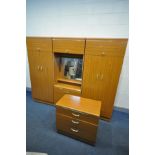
point(53, 61)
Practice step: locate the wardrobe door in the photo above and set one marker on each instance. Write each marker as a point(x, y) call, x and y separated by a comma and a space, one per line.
point(100, 79)
point(34, 67)
point(41, 68)
point(102, 67)
point(111, 72)
point(92, 84)
point(47, 71)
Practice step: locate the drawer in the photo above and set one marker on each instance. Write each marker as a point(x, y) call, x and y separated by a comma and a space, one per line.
point(106, 47)
point(59, 92)
point(81, 130)
point(73, 46)
point(39, 44)
point(77, 115)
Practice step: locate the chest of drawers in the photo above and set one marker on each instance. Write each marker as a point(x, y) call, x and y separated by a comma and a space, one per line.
point(78, 117)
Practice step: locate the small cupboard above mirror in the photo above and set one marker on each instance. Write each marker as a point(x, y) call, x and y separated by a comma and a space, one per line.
point(68, 45)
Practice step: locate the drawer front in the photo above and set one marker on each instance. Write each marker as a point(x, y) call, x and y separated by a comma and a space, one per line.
point(39, 44)
point(75, 46)
point(82, 130)
point(106, 47)
point(77, 115)
point(59, 92)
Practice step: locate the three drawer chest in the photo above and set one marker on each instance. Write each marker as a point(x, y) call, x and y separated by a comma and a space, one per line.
point(78, 117)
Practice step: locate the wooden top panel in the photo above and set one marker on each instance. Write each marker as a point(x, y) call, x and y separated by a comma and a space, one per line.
point(39, 44)
point(111, 47)
point(85, 38)
point(107, 42)
point(80, 104)
point(69, 45)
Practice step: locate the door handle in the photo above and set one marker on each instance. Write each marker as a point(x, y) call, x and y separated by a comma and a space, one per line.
point(38, 68)
point(97, 76)
point(41, 68)
point(102, 77)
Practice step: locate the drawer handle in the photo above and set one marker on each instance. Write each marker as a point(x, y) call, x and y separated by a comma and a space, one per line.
point(75, 122)
point(76, 115)
point(74, 130)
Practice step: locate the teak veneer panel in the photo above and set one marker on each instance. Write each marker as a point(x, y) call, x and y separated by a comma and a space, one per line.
point(103, 47)
point(78, 117)
point(73, 46)
point(61, 89)
point(104, 58)
point(41, 68)
point(70, 81)
point(80, 104)
point(102, 63)
point(39, 44)
point(81, 116)
point(85, 130)
point(68, 87)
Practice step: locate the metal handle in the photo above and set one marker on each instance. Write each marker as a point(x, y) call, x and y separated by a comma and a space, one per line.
point(75, 122)
point(76, 115)
point(74, 130)
point(102, 77)
point(97, 76)
point(38, 67)
point(41, 68)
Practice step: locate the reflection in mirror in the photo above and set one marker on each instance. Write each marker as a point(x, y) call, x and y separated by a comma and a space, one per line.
point(72, 68)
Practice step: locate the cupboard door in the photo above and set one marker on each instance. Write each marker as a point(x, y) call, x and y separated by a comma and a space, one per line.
point(100, 80)
point(114, 65)
point(72, 46)
point(39, 44)
point(34, 65)
point(41, 68)
point(92, 84)
point(108, 47)
point(46, 59)
point(103, 56)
